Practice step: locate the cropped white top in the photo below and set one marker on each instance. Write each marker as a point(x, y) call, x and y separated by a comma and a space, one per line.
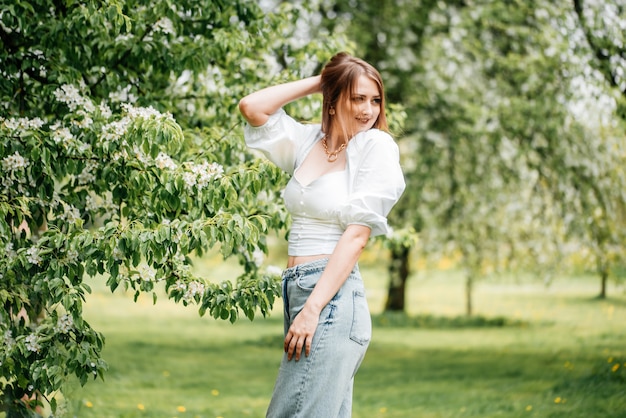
point(363, 193)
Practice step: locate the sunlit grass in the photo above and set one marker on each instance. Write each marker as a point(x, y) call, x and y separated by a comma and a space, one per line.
point(559, 353)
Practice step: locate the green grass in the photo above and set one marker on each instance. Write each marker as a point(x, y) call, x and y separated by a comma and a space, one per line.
point(551, 353)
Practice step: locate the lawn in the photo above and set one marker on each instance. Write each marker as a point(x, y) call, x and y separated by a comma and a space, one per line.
point(560, 353)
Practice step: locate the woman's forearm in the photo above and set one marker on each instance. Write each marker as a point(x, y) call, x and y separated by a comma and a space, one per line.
point(340, 264)
point(258, 106)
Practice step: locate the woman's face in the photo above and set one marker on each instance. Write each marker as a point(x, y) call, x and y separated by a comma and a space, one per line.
point(363, 107)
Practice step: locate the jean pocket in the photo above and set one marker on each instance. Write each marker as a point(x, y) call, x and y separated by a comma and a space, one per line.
point(307, 282)
point(361, 330)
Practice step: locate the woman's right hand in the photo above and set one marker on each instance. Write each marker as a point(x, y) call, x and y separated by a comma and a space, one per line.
point(301, 332)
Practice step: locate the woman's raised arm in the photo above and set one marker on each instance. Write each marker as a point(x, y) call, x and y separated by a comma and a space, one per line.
point(258, 106)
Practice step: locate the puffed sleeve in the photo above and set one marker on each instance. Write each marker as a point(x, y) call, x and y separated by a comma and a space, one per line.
point(280, 139)
point(376, 181)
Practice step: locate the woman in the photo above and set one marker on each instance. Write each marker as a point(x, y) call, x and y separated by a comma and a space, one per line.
point(345, 179)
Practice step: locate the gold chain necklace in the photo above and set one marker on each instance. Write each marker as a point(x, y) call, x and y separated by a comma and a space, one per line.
point(332, 156)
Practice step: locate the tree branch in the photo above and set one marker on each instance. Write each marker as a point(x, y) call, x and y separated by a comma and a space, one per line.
point(122, 58)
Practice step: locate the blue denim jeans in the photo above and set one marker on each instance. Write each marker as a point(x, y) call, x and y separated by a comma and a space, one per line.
point(320, 385)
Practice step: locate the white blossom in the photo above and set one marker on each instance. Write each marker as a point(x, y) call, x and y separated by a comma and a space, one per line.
point(194, 288)
point(105, 110)
point(165, 161)
point(32, 343)
point(94, 202)
point(85, 122)
point(62, 134)
point(123, 95)
point(121, 155)
point(190, 290)
point(71, 256)
point(112, 131)
point(147, 273)
point(9, 251)
point(70, 213)
point(179, 285)
point(274, 270)
point(201, 174)
point(87, 176)
point(164, 25)
point(65, 324)
point(9, 341)
point(124, 37)
point(141, 156)
point(258, 257)
point(189, 179)
point(33, 257)
point(118, 255)
point(14, 162)
point(70, 95)
point(23, 123)
point(144, 112)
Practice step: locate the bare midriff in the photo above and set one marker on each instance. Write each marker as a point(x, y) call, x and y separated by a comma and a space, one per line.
point(294, 260)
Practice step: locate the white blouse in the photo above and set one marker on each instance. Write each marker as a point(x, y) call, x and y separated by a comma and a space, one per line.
point(362, 194)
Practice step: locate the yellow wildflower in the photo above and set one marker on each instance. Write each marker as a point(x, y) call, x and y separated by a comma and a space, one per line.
point(529, 408)
point(215, 392)
point(181, 408)
point(615, 367)
point(557, 399)
point(140, 406)
point(88, 404)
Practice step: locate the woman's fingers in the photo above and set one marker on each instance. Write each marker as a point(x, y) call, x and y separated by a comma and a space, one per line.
point(293, 345)
point(300, 334)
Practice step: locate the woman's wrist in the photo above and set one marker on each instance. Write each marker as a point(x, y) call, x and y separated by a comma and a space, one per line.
point(317, 86)
point(312, 307)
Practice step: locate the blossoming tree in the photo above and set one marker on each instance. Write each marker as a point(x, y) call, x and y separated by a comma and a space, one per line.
point(121, 157)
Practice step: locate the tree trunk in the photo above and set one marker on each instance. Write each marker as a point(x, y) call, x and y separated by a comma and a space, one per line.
point(398, 275)
point(469, 287)
point(604, 278)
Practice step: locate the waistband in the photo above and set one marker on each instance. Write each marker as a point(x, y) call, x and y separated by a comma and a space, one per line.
point(312, 267)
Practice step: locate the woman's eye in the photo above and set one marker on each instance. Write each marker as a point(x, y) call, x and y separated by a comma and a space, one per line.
point(358, 99)
point(377, 101)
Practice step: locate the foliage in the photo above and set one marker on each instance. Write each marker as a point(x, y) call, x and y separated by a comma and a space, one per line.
point(122, 158)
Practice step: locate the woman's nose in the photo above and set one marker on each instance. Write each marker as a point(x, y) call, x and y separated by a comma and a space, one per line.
point(367, 108)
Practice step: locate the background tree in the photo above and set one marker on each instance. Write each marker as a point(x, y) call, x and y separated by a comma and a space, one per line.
point(601, 30)
point(500, 171)
point(122, 156)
